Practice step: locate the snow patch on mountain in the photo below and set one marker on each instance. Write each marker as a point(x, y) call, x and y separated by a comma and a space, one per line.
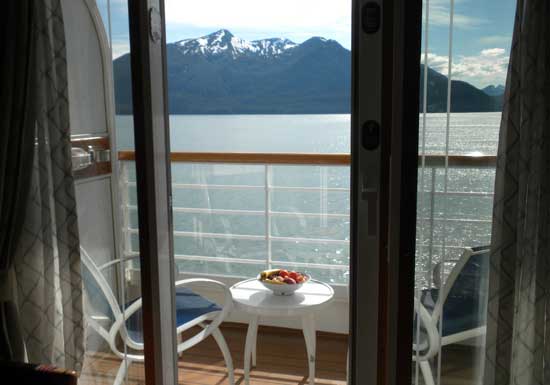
point(224, 42)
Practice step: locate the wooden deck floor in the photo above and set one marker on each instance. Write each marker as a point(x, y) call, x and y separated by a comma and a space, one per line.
point(281, 361)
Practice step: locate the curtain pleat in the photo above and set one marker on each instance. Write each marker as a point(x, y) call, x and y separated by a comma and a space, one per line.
point(17, 123)
point(47, 262)
point(41, 316)
point(517, 351)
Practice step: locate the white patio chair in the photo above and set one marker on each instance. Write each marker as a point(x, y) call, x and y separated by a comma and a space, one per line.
point(462, 303)
point(191, 310)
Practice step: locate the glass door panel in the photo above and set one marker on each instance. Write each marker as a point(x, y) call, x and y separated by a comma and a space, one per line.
point(461, 102)
point(97, 33)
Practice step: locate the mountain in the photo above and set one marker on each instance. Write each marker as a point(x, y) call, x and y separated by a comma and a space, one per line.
point(497, 93)
point(465, 97)
point(223, 74)
point(494, 90)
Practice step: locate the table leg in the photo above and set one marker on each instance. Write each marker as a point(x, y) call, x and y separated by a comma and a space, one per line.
point(308, 327)
point(254, 345)
point(248, 347)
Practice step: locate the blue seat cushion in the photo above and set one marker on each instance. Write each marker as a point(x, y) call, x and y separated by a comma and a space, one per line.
point(459, 313)
point(189, 306)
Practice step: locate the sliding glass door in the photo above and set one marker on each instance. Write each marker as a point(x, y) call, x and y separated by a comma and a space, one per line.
point(267, 114)
point(465, 54)
point(123, 194)
point(112, 290)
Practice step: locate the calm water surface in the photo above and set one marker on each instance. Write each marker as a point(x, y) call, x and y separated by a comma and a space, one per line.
point(309, 133)
point(467, 217)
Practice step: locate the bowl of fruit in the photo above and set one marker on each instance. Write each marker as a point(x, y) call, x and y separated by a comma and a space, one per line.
point(283, 282)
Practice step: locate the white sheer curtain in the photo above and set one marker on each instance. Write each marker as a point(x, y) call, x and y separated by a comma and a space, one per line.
point(519, 312)
point(47, 263)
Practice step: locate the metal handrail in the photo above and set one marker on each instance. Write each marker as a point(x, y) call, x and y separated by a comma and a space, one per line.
point(473, 160)
point(203, 258)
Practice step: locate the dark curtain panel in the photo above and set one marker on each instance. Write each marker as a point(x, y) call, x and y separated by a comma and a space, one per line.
point(518, 320)
point(17, 133)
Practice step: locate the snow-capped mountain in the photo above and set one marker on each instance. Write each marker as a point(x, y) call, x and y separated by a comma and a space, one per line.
point(223, 42)
point(222, 74)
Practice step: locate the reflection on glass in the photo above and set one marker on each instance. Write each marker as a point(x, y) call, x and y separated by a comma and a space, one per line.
point(460, 120)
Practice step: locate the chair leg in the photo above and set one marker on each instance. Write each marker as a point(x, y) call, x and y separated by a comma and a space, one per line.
point(121, 374)
point(218, 336)
point(427, 372)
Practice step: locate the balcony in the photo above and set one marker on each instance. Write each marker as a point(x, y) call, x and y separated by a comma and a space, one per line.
point(236, 214)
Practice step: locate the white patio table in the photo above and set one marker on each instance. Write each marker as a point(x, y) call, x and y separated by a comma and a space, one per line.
point(251, 297)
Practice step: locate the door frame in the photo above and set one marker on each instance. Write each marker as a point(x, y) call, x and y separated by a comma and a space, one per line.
point(383, 191)
point(403, 180)
point(385, 90)
point(154, 194)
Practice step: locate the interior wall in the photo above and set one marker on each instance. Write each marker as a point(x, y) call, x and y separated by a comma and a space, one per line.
point(85, 71)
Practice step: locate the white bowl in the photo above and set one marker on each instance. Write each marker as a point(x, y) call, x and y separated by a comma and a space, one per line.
point(284, 289)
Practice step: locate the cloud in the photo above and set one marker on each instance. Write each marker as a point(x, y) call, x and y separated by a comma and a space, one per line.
point(439, 63)
point(321, 17)
point(307, 16)
point(488, 67)
point(493, 52)
point(496, 40)
point(440, 15)
point(120, 47)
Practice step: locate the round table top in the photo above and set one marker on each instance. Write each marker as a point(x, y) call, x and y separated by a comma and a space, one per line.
point(252, 297)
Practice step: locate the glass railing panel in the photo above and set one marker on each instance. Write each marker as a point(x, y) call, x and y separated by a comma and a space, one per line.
point(233, 215)
point(221, 215)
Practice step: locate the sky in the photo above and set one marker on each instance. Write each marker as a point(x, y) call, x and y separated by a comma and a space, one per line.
point(482, 30)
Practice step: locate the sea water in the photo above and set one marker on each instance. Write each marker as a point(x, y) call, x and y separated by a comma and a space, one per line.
point(456, 221)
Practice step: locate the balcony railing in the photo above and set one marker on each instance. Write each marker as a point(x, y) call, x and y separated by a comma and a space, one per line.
point(335, 269)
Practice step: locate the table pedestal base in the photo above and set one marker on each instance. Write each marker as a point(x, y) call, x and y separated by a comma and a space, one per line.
point(308, 329)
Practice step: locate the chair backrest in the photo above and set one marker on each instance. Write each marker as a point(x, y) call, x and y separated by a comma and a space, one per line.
point(465, 292)
point(98, 290)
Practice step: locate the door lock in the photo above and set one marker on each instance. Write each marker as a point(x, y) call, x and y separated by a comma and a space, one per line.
point(371, 135)
point(370, 17)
